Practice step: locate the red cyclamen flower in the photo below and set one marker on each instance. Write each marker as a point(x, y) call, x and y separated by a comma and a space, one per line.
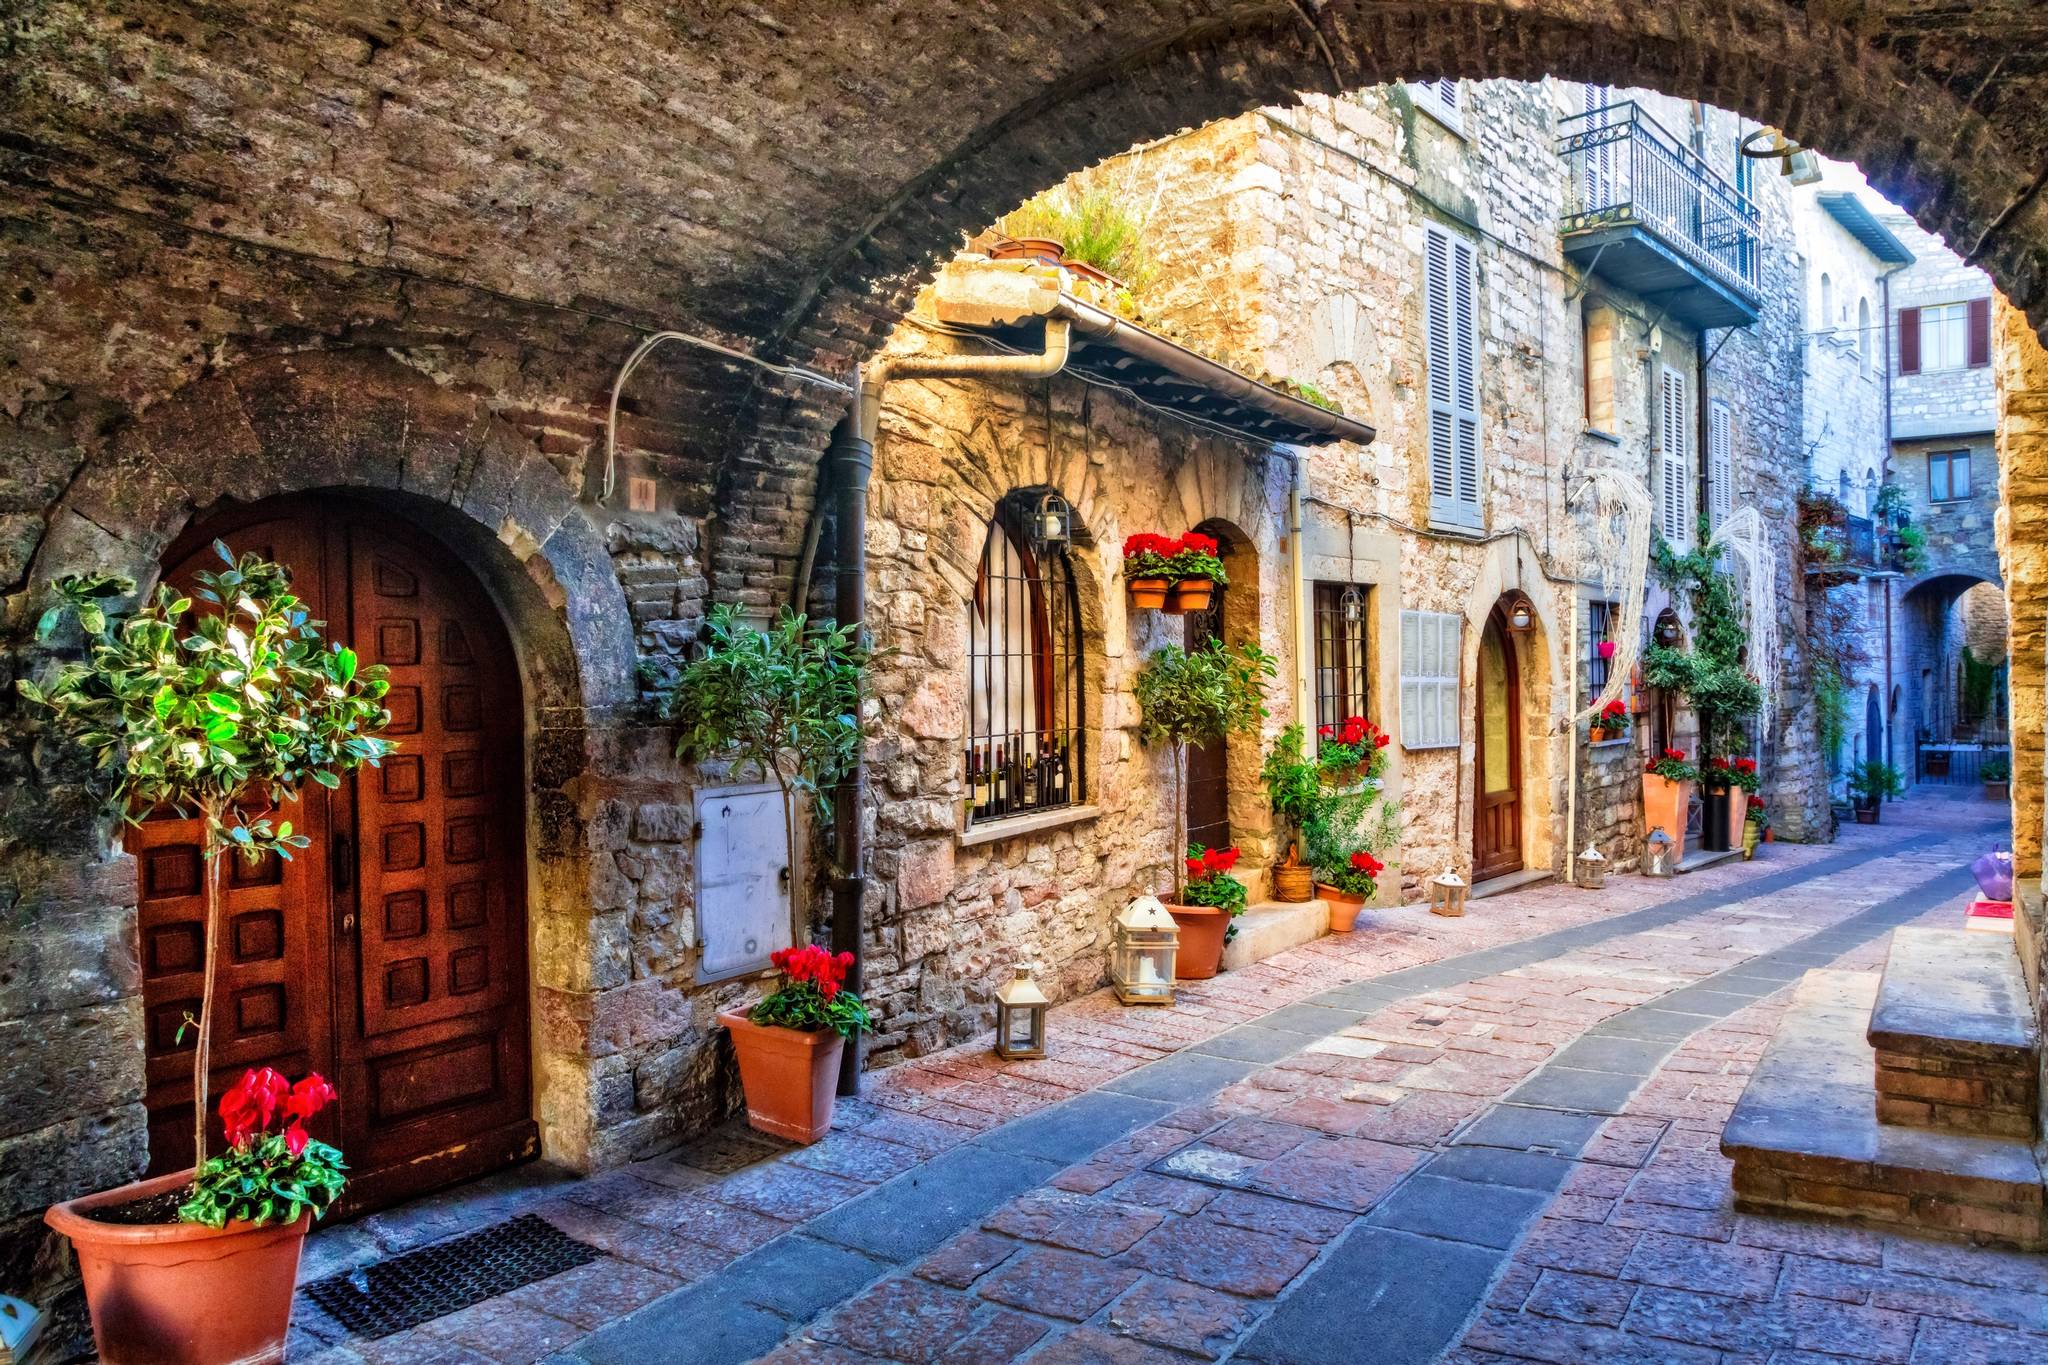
point(1362, 861)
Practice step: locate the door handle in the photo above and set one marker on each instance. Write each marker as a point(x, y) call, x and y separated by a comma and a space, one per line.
point(341, 859)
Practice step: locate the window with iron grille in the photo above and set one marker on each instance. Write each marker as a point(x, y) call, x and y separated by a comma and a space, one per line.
point(1026, 735)
point(1341, 680)
point(1599, 628)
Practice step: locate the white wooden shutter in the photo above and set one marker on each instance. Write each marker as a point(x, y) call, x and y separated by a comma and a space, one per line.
point(1674, 465)
point(1432, 646)
point(1451, 305)
point(1439, 98)
point(1720, 462)
point(1599, 173)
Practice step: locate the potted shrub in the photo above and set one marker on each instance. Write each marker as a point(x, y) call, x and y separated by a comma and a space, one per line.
point(1755, 827)
point(1870, 782)
point(1147, 577)
point(1295, 788)
point(226, 710)
point(1667, 793)
point(789, 1045)
point(1350, 753)
point(1210, 902)
point(1196, 697)
point(1609, 722)
point(1346, 886)
point(1743, 782)
point(1197, 572)
point(1997, 774)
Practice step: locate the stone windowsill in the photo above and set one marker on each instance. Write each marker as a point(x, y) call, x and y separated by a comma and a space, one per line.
point(995, 831)
point(1621, 743)
point(1609, 437)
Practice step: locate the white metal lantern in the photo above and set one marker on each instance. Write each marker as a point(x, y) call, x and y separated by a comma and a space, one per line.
point(1447, 893)
point(1051, 521)
point(1657, 854)
point(1144, 942)
point(1020, 1016)
point(1592, 868)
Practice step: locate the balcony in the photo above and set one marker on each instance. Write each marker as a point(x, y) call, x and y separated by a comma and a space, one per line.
point(1649, 215)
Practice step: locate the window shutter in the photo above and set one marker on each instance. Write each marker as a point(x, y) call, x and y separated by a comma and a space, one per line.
point(1909, 341)
point(1980, 333)
point(1720, 463)
point(1674, 465)
point(1451, 303)
point(1432, 646)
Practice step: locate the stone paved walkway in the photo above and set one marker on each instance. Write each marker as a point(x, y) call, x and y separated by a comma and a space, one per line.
point(1494, 1137)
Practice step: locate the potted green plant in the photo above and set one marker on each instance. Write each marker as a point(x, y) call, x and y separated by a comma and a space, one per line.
point(1346, 886)
point(1294, 786)
point(1343, 836)
point(1147, 574)
point(1667, 793)
point(1195, 697)
point(783, 701)
point(1210, 902)
point(1870, 782)
point(1609, 722)
point(225, 709)
point(1743, 782)
point(1350, 753)
point(1197, 572)
point(789, 1045)
point(1997, 774)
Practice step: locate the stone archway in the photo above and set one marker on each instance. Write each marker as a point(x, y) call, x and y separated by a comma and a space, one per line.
point(364, 423)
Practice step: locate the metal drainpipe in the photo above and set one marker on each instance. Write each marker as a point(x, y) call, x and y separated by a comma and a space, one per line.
point(852, 459)
point(1297, 576)
point(1891, 726)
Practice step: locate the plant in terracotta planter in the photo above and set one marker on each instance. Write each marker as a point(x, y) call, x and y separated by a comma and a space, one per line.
point(1197, 572)
point(1350, 753)
point(1347, 886)
point(789, 1044)
point(1870, 782)
point(1667, 792)
point(1997, 775)
point(1210, 902)
point(1610, 722)
point(224, 710)
point(1147, 575)
point(1195, 697)
point(1295, 788)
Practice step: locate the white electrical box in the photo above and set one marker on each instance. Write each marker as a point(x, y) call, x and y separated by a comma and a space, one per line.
point(743, 880)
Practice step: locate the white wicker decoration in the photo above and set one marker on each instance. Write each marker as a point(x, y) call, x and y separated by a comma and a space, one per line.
point(1742, 535)
point(1621, 552)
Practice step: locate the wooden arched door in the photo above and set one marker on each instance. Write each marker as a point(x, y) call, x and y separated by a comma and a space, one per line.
point(1497, 729)
point(390, 955)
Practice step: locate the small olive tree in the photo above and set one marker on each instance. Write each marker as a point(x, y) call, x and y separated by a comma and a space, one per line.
point(1195, 697)
point(213, 710)
point(783, 700)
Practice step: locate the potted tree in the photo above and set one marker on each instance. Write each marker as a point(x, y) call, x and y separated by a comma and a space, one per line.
point(1147, 576)
point(225, 710)
point(789, 1045)
point(1211, 900)
point(1195, 697)
point(1667, 793)
point(1295, 788)
point(1870, 782)
point(783, 701)
point(1197, 573)
point(1997, 774)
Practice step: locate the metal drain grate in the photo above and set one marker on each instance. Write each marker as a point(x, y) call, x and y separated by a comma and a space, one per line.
point(731, 1148)
point(405, 1291)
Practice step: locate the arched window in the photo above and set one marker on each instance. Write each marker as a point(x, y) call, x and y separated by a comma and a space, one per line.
point(1026, 734)
point(1863, 330)
point(1827, 304)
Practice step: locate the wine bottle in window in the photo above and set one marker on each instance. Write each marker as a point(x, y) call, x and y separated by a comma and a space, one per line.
point(1030, 781)
point(1002, 805)
point(1058, 762)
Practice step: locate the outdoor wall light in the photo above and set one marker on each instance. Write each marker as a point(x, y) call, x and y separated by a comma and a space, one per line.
point(1020, 1016)
point(1052, 522)
point(1521, 617)
point(1143, 944)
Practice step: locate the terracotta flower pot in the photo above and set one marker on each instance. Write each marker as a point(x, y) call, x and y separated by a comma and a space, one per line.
point(1664, 805)
point(1997, 791)
point(1201, 941)
point(1149, 593)
point(790, 1076)
point(1596, 734)
point(182, 1293)
point(1092, 274)
point(1041, 249)
point(1345, 776)
point(1738, 815)
point(1191, 594)
point(1344, 907)
point(1866, 814)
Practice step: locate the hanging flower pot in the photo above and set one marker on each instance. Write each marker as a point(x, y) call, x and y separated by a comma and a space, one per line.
point(1147, 593)
point(1191, 594)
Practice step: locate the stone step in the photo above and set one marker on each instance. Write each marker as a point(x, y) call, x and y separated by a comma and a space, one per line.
point(1272, 927)
point(1957, 1047)
point(1805, 1137)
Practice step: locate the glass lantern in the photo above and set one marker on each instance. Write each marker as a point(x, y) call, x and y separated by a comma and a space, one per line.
point(1657, 854)
point(1020, 1016)
point(1592, 868)
point(1144, 941)
point(1447, 893)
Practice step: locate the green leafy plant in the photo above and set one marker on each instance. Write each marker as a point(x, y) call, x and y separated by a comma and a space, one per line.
point(1910, 548)
point(1713, 675)
point(1891, 503)
point(1307, 393)
point(784, 701)
point(1353, 750)
point(1357, 874)
point(1980, 681)
point(1293, 782)
point(1195, 696)
point(268, 1174)
point(1209, 882)
point(225, 711)
point(1873, 779)
point(1094, 225)
point(813, 995)
point(1196, 557)
point(1672, 767)
point(1995, 769)
point(1831, 703)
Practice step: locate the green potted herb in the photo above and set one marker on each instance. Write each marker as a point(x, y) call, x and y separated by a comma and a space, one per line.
point(1870, 782)
point(225, 709)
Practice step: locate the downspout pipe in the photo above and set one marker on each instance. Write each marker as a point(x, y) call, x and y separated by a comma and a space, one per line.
point(1297, 585)
point(851, 461)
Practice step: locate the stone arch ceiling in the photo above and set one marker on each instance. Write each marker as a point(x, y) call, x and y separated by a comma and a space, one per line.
point(779, 173)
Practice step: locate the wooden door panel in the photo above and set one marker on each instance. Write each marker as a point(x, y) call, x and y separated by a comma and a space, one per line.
point(1497, 761)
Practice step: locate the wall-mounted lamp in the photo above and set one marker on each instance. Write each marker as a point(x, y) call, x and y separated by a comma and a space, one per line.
point(1052, 521)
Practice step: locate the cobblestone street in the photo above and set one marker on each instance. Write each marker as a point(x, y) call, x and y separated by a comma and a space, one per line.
point(1495, 1136)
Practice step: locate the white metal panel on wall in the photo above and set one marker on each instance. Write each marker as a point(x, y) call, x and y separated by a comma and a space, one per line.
point(743, 882)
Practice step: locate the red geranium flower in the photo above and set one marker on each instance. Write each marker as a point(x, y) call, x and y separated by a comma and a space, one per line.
point(1745, 765)
point(1718, 764)
point(1675, 754)
point(1362, 861)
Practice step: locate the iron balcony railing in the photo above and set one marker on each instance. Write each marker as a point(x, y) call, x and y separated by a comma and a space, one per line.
point(1628, 169)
